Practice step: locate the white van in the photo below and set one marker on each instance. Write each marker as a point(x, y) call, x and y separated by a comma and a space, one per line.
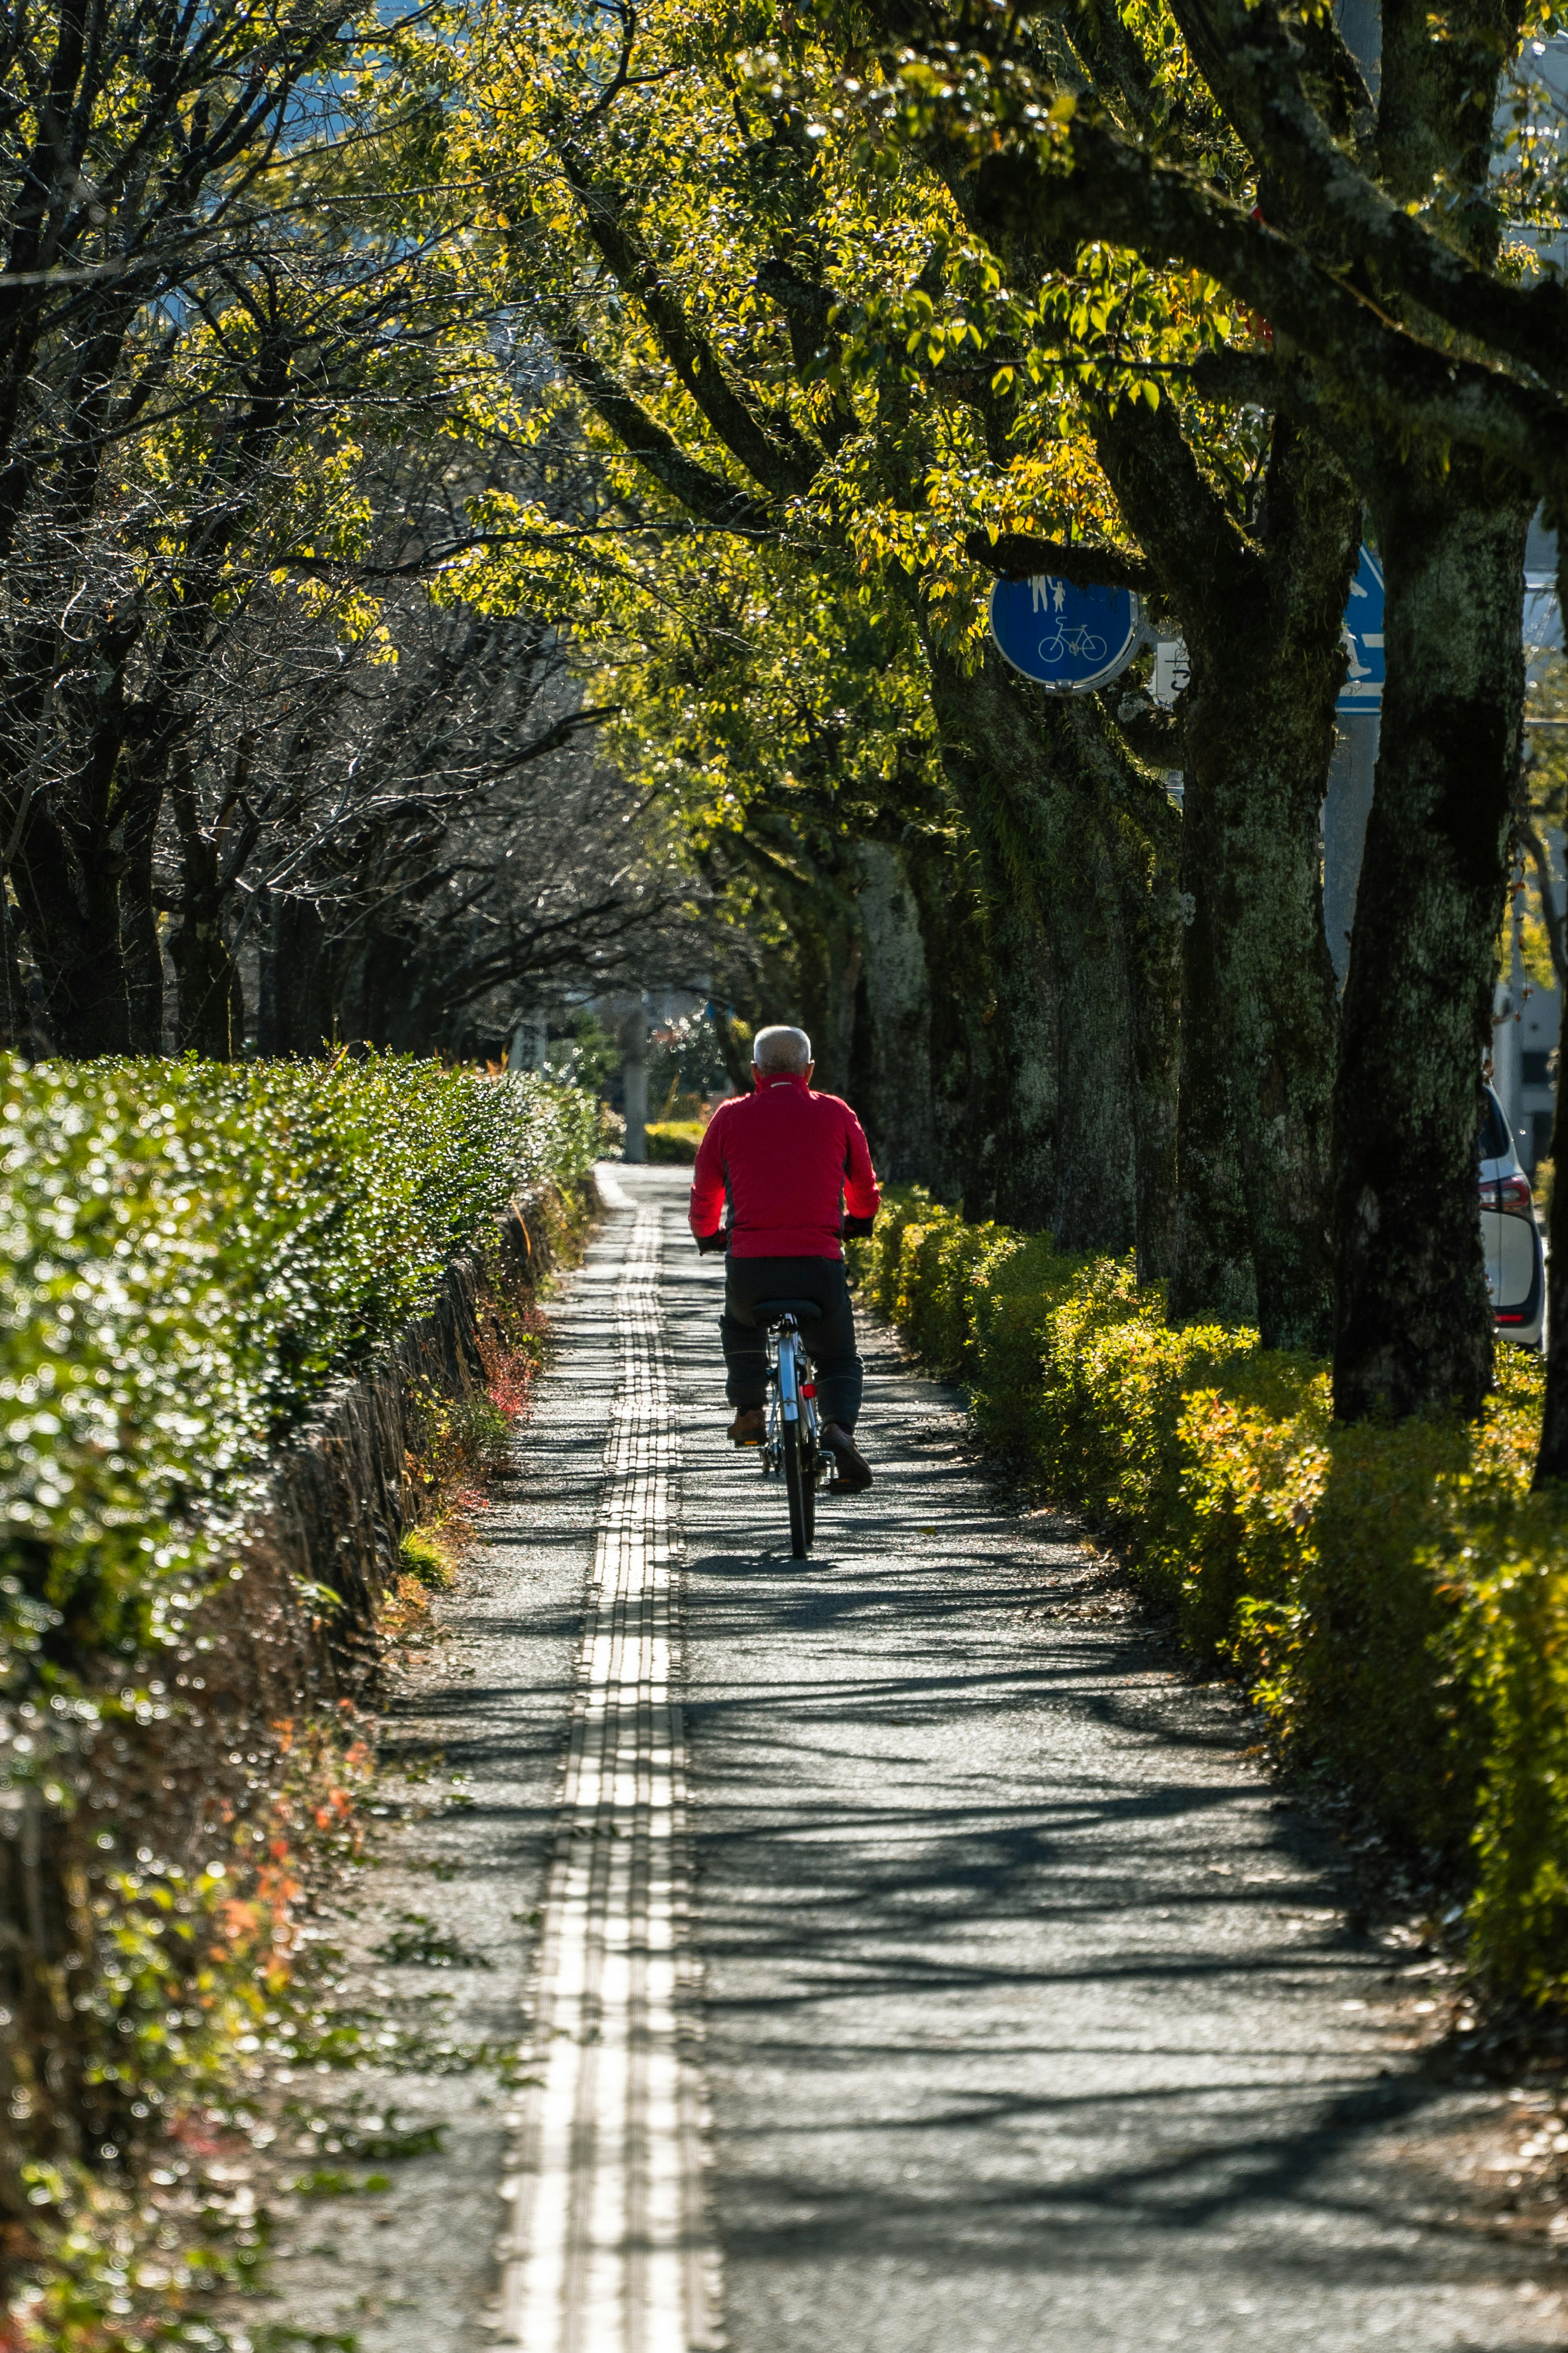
point(1516, 1264)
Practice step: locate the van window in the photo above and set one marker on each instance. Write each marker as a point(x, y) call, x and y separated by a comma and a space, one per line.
point(1494, 1138)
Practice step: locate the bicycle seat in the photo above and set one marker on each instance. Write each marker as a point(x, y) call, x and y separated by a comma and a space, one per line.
point(773, 1311)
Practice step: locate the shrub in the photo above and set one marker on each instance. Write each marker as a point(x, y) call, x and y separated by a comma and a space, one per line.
point(423, 1555)
point(673, 1140)
point(189, 1254)
point(1395, 1597)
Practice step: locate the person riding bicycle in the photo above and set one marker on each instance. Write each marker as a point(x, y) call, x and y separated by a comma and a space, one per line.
point(797, 1172)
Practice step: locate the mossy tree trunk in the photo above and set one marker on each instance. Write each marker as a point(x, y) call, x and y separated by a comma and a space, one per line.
point(1261, 612)
point(1048, 801)
point(891, 1064)
point(1414, 1328)
point(1551, 1458)
point(965, 1089)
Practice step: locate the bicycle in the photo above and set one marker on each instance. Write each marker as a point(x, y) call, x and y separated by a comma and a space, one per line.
point(792, 1446)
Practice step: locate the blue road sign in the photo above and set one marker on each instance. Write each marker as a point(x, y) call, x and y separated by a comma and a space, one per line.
point(1067, 637)
point(1363, 690)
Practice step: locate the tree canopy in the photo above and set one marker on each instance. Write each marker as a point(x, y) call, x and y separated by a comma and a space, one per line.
point(490, 436)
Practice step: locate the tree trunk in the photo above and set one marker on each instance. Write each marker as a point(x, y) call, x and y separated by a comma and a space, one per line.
point(1414, 1323)
point(1083, 899)
point(1044, 803)
point(891, 1074)
point(1023, 1018)
point(634, 1078)
point(830, 983)
point(1262, 617)
point(267, 1032)
point(299, 976)
point(1147, 858)
point(1261, 768)
point(15, 1014)
point(987, 739)
point(733, 1053)
point(966, 1099)
point(55, 2109)
point(212, 1006)
point(69, 908)
point(1212, 1269)
point(1552, 1457)
point(817, 988)
point(212, 1011)
point(139, 930)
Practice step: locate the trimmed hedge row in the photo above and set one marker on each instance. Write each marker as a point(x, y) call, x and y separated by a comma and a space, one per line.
point(1395, 1598)
point(192, 1256)
point(190, 1253)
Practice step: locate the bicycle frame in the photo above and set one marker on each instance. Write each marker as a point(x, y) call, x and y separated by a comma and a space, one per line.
point(791, 1393)
point(791, 1450)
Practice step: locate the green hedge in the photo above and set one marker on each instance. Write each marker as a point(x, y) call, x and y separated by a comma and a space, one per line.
point(189, 1254)
point(1395, 1597)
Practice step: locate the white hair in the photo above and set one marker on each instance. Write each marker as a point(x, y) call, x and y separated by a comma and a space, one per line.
point(781, 1049)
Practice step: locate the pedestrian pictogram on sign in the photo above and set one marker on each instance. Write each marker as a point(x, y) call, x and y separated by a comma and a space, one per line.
point(1363, 689)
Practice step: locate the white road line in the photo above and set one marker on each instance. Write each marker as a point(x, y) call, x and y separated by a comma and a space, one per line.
point(605, 2252)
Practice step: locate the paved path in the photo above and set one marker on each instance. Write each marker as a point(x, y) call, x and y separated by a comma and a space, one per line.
point(1027, 2015)
point(1030, 2015)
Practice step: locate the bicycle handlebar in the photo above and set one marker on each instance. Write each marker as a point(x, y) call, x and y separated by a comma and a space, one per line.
point(853, 1230)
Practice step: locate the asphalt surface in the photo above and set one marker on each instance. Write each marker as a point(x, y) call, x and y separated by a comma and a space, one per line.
point(1030, 2012)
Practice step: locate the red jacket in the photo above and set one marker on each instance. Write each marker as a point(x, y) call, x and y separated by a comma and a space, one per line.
point(791, 1162)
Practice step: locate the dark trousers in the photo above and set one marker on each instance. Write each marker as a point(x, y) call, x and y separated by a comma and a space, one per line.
point(830, 1343)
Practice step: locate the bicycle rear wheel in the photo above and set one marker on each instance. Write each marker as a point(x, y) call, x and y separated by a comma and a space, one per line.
point(800, 1486)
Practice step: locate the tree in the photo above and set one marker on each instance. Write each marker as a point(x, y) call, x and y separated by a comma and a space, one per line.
point(135, 156)
point(1369, 240)
point(1248, 539)
point(262, 286)
point(679, 251)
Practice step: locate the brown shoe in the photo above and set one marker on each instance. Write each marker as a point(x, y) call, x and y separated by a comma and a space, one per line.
point(749, 1426)
point(852, 1472)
